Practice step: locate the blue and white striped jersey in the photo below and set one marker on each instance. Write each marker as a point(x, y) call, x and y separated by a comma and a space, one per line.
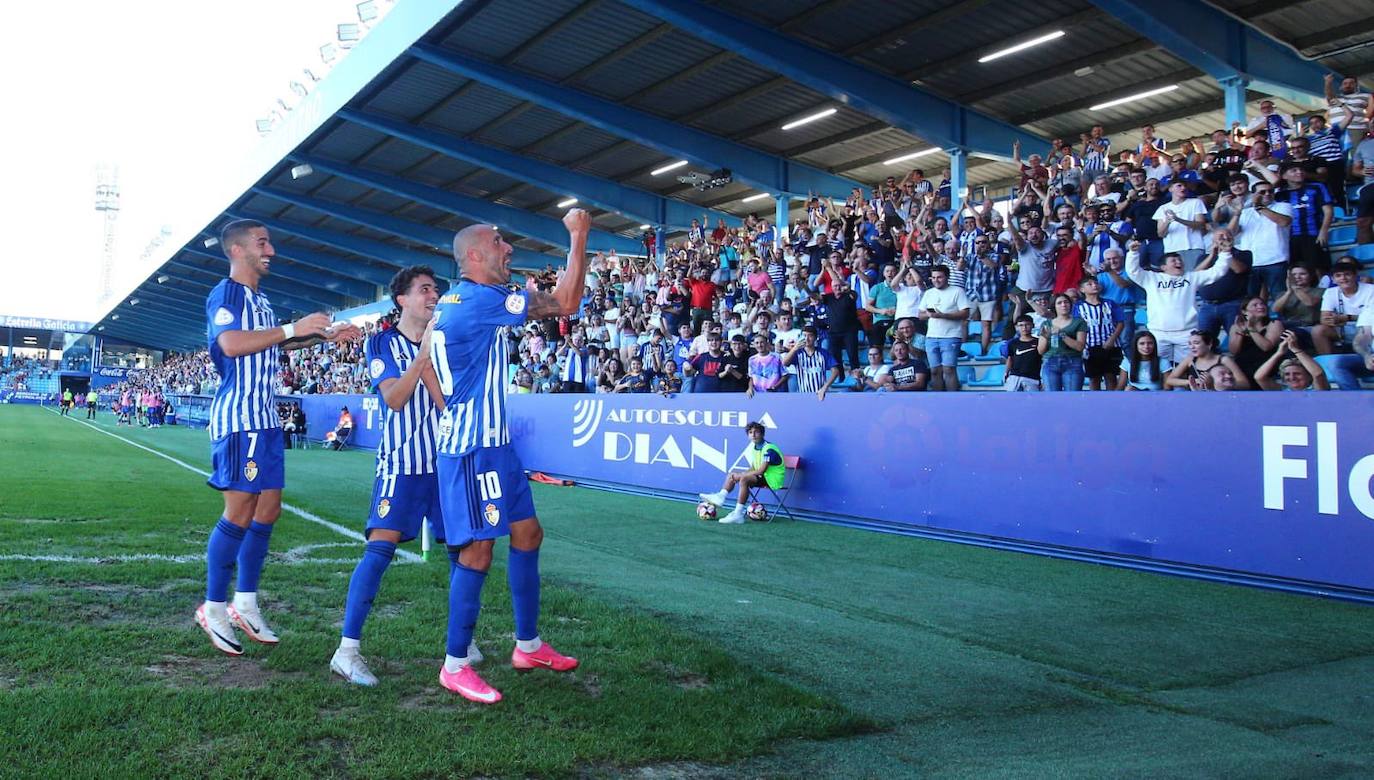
point(246, 399)
point(409, 434)
point(471, 351)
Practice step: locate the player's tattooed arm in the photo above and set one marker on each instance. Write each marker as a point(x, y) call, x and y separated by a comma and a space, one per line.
point(542, 305)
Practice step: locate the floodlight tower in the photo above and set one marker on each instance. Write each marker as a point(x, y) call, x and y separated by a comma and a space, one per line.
point(107, 202)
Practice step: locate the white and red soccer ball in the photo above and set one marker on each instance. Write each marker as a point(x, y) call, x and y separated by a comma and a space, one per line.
point(706, 510)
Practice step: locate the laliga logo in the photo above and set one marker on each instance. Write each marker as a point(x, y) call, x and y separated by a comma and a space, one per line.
point(1279, 467)
point(586, 419)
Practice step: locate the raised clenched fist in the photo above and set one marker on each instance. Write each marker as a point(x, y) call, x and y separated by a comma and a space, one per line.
point(577, 221)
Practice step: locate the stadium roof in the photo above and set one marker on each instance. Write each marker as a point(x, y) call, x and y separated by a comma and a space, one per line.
point(449, 113)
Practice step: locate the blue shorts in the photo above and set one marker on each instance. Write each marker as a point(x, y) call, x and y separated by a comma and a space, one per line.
point(402, 502)
point(248, 461)
point(942, 352)
point(481, 493)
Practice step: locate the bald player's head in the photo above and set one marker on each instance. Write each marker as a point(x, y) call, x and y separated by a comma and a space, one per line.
point(482, 254)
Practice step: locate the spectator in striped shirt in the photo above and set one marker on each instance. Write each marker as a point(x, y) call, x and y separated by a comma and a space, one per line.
point(1352, 108)
point(816, 368)
point(1102, 355)
point(1324, 144)
point(1312, 215)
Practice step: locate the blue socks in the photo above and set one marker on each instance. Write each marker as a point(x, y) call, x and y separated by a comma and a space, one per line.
point(220, 555)
point(251, 556)
point(464, 602)
point(522, 571)
point(362, 587)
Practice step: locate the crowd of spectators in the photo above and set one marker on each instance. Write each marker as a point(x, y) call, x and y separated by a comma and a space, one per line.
point(1194, 264)
point(23, 374)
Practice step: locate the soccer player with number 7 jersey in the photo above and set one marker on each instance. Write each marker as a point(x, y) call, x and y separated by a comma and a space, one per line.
point(247, 446)
point(482, 486)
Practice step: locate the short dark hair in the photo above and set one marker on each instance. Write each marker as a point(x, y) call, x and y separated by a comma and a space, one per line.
point(755, 424)
point(400, 283)
point(941, 268)
point(236, 232)
point(811, 329)
point(1026, 318)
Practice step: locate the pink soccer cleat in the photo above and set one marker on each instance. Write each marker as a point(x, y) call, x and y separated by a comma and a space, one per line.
point(467, 684)
point(544, 658)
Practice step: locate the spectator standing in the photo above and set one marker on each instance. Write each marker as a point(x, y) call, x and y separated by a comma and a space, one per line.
point(734, 374)
point(1025, 357)
point(1363, 167)
point(816, 369)
point(766, 373)
point(1219, 301)
point(985, 287)
point(1261, 228)
point(1181, 223)
point(1350, 108)
point(1141, 214)
point(1063, 366)
point(944, 308)
point(1119, 289)
point(1312, 215)
point(1103, 318)
point(1170, 299)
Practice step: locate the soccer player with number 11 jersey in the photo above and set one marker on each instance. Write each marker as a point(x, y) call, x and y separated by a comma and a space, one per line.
point(246, 451)
point(482, 486)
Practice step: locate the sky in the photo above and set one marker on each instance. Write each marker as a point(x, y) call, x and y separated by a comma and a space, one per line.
point(168, 92)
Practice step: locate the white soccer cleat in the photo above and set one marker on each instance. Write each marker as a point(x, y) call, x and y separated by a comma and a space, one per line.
point(735, 517)
point(249, 619)
point(474, 654)
point(713, 498)
point(219, 630)
point(350, 665)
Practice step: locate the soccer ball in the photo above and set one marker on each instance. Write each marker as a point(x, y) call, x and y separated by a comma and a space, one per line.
point(756, 511)
point(706, 510)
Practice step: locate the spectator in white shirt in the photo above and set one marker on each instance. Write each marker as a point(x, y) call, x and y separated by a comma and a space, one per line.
point(1342, 304)
point(945, 309)
point(1182, 223)
point(1261, 228)
point(1171, 298)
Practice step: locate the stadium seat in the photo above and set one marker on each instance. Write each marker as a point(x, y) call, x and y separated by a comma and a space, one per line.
point(991, 378)
point(1363, 252)
point(793, 466)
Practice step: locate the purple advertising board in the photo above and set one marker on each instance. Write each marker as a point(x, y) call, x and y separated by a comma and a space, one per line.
point(1275, 485)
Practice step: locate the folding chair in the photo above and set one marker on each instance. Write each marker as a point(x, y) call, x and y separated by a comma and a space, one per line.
point(341, 438)
point(793, 465)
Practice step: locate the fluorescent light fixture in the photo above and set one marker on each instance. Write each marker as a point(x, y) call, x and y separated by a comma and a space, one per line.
point(645, 227)
point(911, 156)
point(562, 204)
point(1132, 98)
point(367, 11)
point(755, 197)
point(301, 171)
point(264, 126)
point(668, 167)
point(328, 53)
point(349, 35)
point(133, 301)
point(114, 316)
point(806, 120)
point(211, 243)
point(100, 327)
point(163, 279)
point(1046, 38)
point(299, 88)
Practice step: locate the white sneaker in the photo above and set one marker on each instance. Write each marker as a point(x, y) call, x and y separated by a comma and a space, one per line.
point(714, 498)
point(350, 665)
point(219, 630)
point(734, 518)
point(250, 620)
point(474, 655)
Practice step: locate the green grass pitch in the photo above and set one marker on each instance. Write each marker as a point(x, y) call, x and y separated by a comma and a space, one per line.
point(753, 651)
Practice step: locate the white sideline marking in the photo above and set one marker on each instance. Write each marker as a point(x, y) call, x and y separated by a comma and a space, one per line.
point(199, 559)
point(295, 510)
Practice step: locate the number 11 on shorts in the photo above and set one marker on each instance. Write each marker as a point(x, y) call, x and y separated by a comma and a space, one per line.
point(489, 485)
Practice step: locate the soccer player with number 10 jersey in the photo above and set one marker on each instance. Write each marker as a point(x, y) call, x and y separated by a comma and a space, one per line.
point(482, 486)
point(246, 451)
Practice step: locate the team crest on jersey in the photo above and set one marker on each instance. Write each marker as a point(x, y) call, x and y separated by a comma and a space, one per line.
point(223, 316)
point(251, 470)
point(492, 514)
point(515, 303)
point(384, 508)
point(376, 367)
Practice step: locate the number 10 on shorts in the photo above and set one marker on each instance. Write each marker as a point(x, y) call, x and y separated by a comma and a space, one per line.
point(489, 485)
